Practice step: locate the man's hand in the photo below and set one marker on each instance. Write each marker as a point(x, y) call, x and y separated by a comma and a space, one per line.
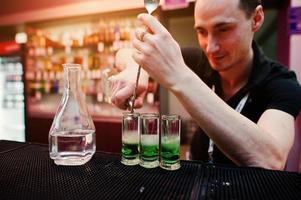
point(158, 53)
point(123, 84)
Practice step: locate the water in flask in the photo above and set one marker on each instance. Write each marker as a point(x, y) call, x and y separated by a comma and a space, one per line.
point(72, 134)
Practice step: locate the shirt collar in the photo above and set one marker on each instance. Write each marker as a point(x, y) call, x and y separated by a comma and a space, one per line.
point(260, 68)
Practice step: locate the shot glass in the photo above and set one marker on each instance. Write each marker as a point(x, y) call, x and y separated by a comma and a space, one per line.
point(149, 140)
point(130, 138)
point(170, 142)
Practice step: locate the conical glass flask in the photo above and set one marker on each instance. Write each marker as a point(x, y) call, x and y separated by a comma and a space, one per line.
point(72, 134)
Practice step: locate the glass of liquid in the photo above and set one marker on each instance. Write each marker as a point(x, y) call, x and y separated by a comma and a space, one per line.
point(72, 134)
point(130, 138)
point(149, 140)
point(170, 142)
point(151, 5)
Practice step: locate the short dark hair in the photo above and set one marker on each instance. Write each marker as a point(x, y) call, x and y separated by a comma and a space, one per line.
point(249, 6)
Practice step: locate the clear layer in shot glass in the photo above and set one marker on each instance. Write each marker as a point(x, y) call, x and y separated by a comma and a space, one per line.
point(130, 138)
point(170, 142)
point(149, 140)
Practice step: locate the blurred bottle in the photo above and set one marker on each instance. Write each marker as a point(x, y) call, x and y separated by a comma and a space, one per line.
point(38, 86)
point(106, 90)
point(46, 82)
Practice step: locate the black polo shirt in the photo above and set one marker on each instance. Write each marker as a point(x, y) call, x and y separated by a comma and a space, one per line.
point(270, 86)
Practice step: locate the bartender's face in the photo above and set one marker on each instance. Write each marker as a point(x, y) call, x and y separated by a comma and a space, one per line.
point(224, 32)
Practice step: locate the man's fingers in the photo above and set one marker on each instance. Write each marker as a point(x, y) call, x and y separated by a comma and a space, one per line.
point(122, 95)
point(138, 102)
point(152, 23)
point(139, 33)
point(140, 99)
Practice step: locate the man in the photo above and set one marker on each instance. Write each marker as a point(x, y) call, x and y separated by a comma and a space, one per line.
point(244, 102)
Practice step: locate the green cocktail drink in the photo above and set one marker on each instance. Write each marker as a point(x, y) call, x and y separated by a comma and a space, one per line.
point(170, 142)
point(149, 151)
point(130, 151)
point(170, 152)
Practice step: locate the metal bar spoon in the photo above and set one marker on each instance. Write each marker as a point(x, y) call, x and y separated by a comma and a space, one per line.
point(151, 6)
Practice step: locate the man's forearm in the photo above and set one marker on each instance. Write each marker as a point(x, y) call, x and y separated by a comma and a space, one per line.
point(243, 141)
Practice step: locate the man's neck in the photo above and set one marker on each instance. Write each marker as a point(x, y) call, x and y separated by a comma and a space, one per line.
point(236, 77)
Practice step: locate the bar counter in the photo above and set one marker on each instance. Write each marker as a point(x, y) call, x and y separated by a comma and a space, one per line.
point(27, 172)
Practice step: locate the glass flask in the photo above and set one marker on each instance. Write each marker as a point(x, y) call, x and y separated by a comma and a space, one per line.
point(72, 134)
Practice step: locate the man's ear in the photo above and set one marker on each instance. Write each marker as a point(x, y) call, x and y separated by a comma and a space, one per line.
point(257, 18)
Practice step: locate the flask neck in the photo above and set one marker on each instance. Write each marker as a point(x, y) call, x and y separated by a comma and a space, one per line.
point(72, 77)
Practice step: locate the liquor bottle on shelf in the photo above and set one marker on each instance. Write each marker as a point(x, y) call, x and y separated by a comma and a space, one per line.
point(152, 92)
point(46, 82)
point(38, 86)
point(51, 82)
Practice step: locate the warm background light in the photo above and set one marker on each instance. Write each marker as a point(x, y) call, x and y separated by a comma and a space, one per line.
point(21, 38)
